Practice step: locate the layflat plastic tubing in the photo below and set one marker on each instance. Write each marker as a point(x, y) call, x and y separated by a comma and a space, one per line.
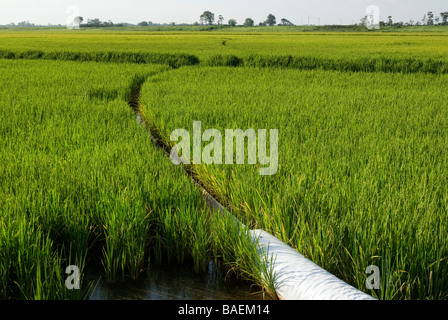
point(298, 278)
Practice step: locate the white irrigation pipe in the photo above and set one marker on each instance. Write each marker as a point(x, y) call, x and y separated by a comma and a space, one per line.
point(296, 277)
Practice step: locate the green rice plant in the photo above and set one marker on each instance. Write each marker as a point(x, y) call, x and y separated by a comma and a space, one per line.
point(237, 250)
point(184, 234)
point(342, 51)
point(5, 261)
point(125, 245)
point(201, 242)
point(173, 60)
point(37, 268)
point(84, 184)
point(243, 43)
point(226, 60)
point(65, 161)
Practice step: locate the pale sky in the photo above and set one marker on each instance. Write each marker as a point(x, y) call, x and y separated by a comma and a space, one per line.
point(188, 11)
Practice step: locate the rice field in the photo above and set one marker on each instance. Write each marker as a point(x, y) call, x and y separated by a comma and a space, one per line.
point(389, 52)
point(362, 176)
point(84, 185)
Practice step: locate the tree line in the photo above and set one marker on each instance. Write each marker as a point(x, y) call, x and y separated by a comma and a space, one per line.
point(429, 19)
point(208, 18)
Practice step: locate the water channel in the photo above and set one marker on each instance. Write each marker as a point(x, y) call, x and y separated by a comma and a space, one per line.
point(176, 283)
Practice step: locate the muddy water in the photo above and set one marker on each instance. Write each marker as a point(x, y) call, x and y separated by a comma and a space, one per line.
point(177, 283)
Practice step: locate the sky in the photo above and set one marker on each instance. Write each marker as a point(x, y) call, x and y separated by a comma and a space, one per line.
point(188, 11)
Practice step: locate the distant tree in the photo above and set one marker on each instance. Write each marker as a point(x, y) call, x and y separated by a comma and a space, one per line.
point(220, 19)
point(97, 23)
point(411, 22)
point(93, 22)
point(389, 21)
point(143, 24)
point(78, 20)
point(271, 20)
point(430, 21)
point(363, 21)
point(249, 22)
point(286, 22)
point(437, 20)
point(444, 16)
point(208, 17)
point(262, 23)
point(108, 24)
point(424, 19)
point(25, 24)
point(232, 22)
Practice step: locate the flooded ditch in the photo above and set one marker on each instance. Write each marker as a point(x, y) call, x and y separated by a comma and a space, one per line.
point(175, 282)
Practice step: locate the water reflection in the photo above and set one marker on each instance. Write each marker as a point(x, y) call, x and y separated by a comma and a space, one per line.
point(177, 283)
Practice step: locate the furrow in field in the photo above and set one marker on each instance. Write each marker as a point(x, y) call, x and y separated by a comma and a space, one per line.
point(133, 100)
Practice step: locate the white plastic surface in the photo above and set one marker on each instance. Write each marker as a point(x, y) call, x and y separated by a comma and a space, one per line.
point(298, 278)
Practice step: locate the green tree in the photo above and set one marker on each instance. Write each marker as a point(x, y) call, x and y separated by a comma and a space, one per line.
point(271, 20)
point(444, 16)
point(208, 17)
point(232, 22)
point(363, 21)
point(78, 20)
point(430, 18)
point(390, 21)
point(286, 22)
point(94, 22)
point(249, 22)
point(143, 24)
